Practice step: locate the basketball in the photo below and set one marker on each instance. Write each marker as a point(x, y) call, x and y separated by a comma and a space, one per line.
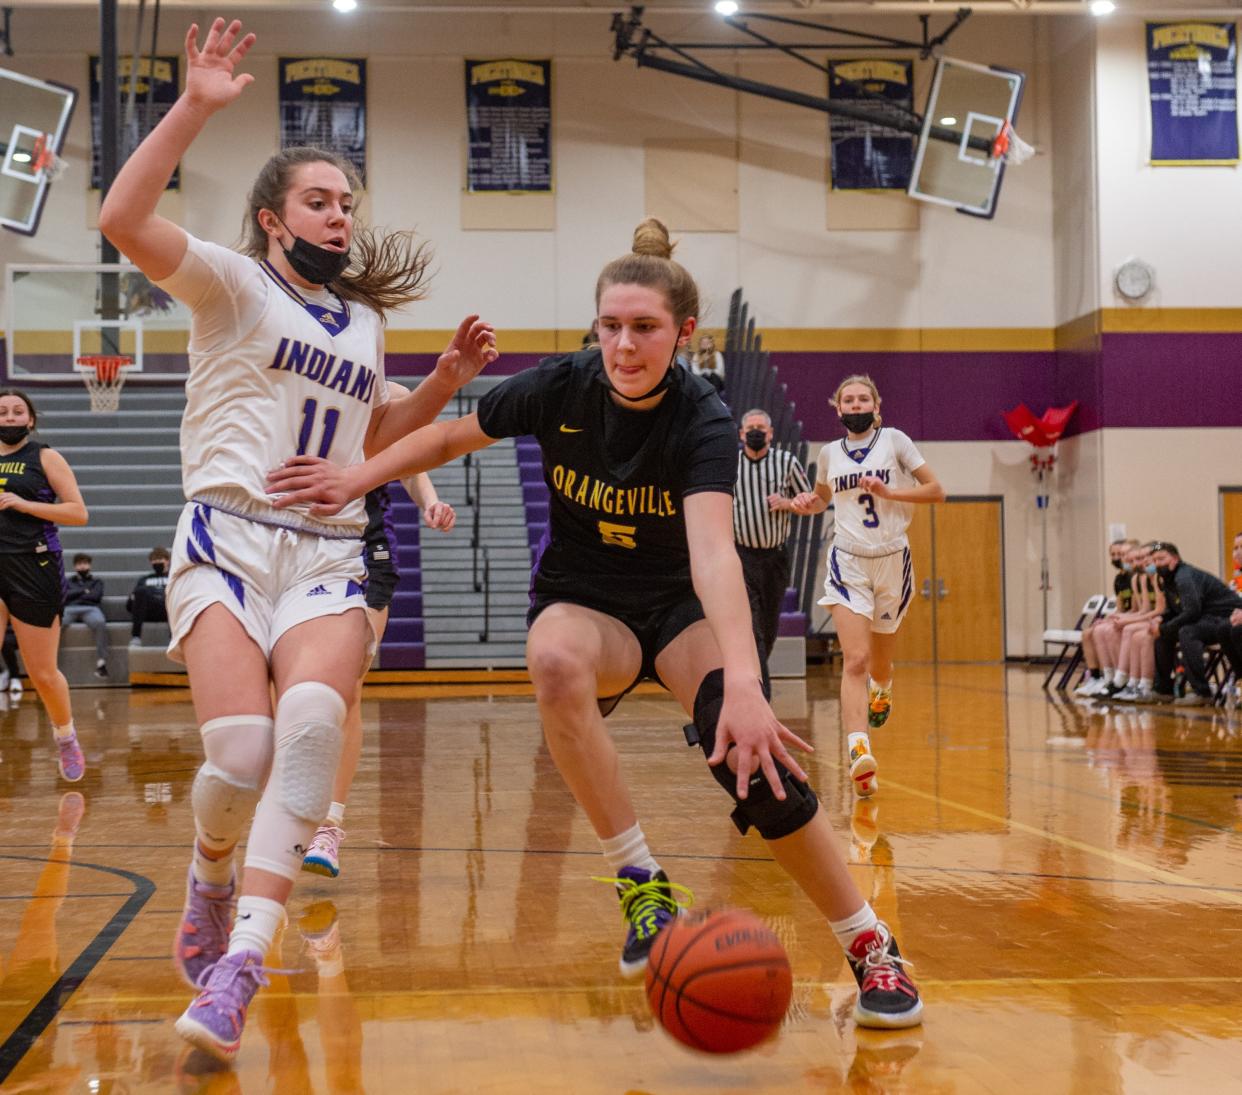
point(719, 981)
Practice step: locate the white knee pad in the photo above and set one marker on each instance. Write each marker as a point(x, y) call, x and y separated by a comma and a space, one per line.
point(227, 786)
point(309, 718)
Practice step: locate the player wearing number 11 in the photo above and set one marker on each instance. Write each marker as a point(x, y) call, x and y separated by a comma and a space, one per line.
point(874, 474)
point(286, 355)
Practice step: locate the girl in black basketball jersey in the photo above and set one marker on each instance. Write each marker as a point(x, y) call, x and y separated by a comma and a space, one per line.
point(640, 579)
point(32, 576)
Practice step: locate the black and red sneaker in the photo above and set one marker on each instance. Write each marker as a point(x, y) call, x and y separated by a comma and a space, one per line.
point(887, 998)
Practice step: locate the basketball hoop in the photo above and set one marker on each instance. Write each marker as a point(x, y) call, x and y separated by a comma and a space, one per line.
point(104, 377)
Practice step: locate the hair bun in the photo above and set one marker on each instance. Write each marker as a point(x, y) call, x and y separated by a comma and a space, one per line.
point(651, 238)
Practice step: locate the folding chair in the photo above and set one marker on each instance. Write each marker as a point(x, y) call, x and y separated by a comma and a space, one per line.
point(1070, 639)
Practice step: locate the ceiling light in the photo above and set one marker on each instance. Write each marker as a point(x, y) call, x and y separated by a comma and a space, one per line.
point(726, 7)
point(950, 120)
point(344, 5)
point(21, 157)
point(1102, 7)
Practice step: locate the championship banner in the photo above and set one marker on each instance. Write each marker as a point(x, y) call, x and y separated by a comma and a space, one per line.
point(866, 156)
point(1192, 74)
point(509, 117)
point(323, 102)
point(155, 89)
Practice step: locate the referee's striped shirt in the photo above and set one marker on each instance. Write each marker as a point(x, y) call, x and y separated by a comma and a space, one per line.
point(777, 472)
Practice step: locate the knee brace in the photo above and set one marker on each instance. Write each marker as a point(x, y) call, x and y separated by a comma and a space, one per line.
point(309, 718)
point(228, 785)
point(772, 817)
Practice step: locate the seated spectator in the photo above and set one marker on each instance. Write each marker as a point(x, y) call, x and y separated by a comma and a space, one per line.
point(84, 605)
point(708, 362)
point(1235, 583)
point(1200, 608)
point(146, 602)
point(1136, 657)
point(1100, 667)
point(591, 338)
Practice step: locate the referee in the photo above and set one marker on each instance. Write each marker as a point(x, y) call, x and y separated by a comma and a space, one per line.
point(771, 485)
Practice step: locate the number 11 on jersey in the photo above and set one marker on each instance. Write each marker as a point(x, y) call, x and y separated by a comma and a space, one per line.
point(310, 411)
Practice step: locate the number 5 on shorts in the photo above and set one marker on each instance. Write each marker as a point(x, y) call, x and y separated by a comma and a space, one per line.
point(618, 535)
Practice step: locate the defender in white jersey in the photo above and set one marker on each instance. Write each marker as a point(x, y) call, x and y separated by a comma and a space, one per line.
point(874, 475)
point(286, 355)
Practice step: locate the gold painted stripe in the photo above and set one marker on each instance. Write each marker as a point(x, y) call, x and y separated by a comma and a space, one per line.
point(1171, 320)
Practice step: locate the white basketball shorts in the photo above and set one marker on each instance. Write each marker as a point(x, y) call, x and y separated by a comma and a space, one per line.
point(877, 588)
point(270, 578)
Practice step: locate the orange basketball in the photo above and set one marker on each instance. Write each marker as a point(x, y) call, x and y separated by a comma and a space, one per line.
point(719, 981)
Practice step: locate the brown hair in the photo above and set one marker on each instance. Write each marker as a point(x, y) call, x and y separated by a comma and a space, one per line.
point(650, 264)
point(159, 553)
point(30, 407)
point(859, 378)
point(385, 270)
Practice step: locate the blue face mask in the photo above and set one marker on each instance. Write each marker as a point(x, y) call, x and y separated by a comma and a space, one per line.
point(1150, 568)
point(1127, 567)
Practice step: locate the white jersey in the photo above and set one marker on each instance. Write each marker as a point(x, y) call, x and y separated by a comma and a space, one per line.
point(275, 371)
point(864, 524)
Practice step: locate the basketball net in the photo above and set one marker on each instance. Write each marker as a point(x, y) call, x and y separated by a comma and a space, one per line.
point(104, 377)
point(46, 161)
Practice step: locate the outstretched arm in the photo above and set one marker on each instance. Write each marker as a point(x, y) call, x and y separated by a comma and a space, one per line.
point(128, 218)
point(746, 720)
point(329, 486)
point(472, 347)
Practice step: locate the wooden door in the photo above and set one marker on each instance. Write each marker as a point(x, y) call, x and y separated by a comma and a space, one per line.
point(967, 585)
point(915, 638)
point(1230, 526)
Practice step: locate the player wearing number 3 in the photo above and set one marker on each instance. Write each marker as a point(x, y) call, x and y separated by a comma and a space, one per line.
point(286, 355)
point(874, 474)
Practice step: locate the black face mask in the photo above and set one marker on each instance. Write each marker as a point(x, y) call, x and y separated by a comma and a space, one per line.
point(159, 568)
point(315, 264)
point(85, 575)
point(756, 440)
point(13, 435)
point(665, 381)
point(860, 422)
point(1165, 572)
point(1119, 564)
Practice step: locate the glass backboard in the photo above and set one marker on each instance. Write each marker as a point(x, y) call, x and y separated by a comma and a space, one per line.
point(34, 115)
point(968, 107)
point(57, 315)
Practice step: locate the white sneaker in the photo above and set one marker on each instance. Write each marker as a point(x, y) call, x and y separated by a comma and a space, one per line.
point(1129, 694)
point(15, 689)
point(1091, 687)
point(863, 768)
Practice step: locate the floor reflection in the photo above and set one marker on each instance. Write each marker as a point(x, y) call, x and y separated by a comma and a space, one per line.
point(1066, 879)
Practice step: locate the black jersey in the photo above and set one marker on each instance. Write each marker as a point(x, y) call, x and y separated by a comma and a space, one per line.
point(617, 477)
point(22, 473)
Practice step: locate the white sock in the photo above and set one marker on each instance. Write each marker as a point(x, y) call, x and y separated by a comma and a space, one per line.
point(336, 814)
point(629, 849)
point(258, 920)
point(852, 927)
point(861, 739)
point(1120, 676)
point(1144, 684)
point(212, 872)
point(65, 731)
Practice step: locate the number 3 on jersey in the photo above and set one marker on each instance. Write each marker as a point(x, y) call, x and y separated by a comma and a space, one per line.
point(310, 411)
point(618, 535)
point(867, 501)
